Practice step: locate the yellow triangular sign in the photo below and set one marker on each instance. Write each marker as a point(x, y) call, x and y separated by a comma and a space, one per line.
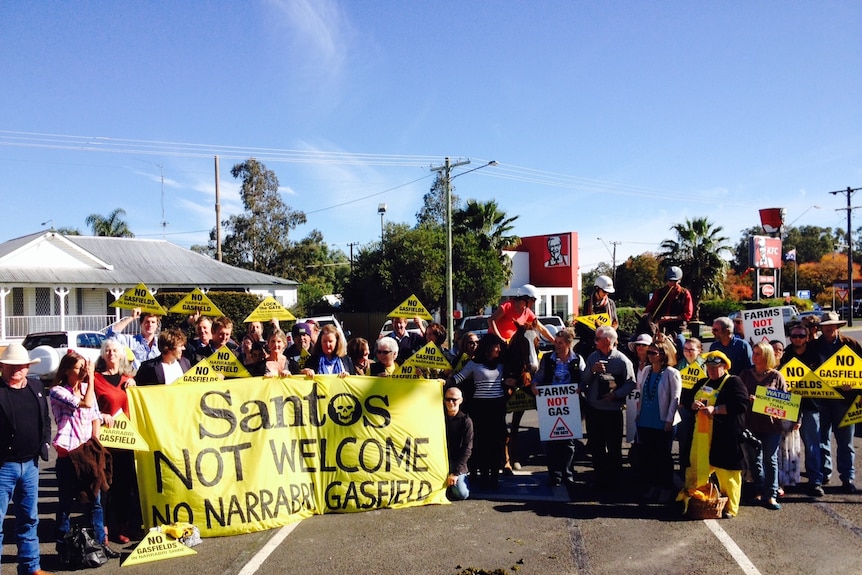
point(194, 302)
point(854, 414)
point(844, 367)
point(691, 374)
point(411, 307)
point(804, 382)
point(201, 372)
point(156, 546)
point(139, 297)
point(270, 309)
point(595, 320)
point(227, 364)
point(122, 435)
point(429, 356)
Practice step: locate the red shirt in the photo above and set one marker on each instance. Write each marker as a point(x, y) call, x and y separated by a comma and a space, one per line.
point(510, 320)
point(111, 398)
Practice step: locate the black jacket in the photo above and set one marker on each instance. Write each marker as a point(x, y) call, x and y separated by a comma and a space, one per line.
point(7, 421)
point(152, 372)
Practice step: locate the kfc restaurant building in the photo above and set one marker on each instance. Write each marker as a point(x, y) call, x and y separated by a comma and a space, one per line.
point(549, 262)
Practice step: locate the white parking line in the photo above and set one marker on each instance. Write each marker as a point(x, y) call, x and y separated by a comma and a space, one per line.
point(738, 555)
point(252, 566)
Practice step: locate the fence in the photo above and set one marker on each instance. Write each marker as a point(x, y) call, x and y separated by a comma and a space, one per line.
point(19, 326)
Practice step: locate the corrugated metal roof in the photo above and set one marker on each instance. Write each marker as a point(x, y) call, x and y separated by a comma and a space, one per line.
point(156, 263)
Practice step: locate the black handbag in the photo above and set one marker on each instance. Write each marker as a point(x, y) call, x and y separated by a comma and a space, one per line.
point(81, 550)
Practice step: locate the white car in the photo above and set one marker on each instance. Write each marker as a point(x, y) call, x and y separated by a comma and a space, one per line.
point(50, 346)
point(411, 327)
point(322, 320)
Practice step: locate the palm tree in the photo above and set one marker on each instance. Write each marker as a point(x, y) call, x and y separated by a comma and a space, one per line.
point(112, 226)
point(490, 224)
point(697, 250)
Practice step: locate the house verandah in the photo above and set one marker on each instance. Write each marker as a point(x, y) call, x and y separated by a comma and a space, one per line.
point(49, 281)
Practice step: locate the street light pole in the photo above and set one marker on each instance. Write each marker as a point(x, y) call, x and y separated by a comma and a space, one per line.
point(445, 173)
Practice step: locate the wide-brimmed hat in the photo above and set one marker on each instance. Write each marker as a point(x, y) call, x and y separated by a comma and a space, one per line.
point(831, 318)
point(642, 339)
point(15, 354)
point(716, 358)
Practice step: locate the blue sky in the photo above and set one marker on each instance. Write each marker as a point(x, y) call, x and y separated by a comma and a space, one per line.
point(612, 119)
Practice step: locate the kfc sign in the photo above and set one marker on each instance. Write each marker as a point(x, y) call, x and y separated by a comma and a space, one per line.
point(764, 252)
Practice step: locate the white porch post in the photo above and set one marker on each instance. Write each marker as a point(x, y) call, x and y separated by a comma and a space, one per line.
point(3, 293)
point(62, 293)
point(117, 292)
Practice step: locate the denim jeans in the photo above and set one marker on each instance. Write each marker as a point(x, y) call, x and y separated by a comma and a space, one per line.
point(460, 490)
point(810, 433)
point(66, 495)
point(832, 411)
point(19, 482)
point(765, 465)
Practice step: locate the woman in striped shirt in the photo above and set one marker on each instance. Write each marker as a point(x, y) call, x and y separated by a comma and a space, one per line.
point(487, 409)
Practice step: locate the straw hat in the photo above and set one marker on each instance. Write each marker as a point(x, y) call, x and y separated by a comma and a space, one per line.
point(15, 354)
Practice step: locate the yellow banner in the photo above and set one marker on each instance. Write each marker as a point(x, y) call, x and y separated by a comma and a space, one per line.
point(691, 374)
point(595, 320)
point(244, 455)
point(194, 302)
point(776, 403)
point(139, 297)
point(410, 308)
point(803, 381)
point(844, 367)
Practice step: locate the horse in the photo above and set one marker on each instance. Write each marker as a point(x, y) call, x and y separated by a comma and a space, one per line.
point(520, 362)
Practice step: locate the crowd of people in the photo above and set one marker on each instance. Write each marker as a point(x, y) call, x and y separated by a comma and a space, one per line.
point(634, 392)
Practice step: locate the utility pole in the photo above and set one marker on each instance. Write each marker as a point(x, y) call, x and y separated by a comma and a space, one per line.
point(445, 173)
point(217, 214)
point(613, 257)
point(849, 191)
point(351, 244)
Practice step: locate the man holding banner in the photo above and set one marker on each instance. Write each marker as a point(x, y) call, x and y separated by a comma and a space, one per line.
point(832, 410)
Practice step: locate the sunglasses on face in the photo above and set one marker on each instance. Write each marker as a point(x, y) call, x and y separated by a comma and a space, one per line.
point(798, 336)
point(452, 399)
point(383, 352)
point(653, 352)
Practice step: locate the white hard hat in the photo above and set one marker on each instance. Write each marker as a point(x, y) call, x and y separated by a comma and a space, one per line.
point(527, 291)
point(605, 283)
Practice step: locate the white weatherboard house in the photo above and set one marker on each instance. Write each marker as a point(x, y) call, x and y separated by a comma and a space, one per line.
point(50, 281)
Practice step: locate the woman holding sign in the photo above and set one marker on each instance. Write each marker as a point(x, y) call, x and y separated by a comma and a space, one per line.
point(113, 377)
point(720, 404)
point(766, 428)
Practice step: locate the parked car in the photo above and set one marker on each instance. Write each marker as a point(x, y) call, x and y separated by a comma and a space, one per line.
point(323, 320)
point(50, 346)
point(478, 324)
point(411, 327)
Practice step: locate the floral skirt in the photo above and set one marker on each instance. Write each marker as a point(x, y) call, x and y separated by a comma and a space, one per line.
point(789, 458)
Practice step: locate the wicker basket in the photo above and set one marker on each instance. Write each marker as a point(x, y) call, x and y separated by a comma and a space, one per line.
point(711, 508)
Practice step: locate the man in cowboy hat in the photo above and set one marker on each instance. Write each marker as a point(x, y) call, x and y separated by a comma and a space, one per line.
point(25, 434)
point(832, 410)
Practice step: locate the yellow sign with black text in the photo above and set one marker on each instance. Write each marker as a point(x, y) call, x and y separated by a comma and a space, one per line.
point(843, 368)
point(250, 454)
point(804, 382)
point(156, 546)
point(269, 309)
point(410, 308)
point(139, 297)
point(226, 363)
point(854, 414)
point(595, 320)
point(196, 302)
point(691, 374)
point(122, 435)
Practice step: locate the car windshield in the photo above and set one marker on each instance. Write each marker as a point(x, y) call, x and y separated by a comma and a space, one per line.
point(475, 323)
